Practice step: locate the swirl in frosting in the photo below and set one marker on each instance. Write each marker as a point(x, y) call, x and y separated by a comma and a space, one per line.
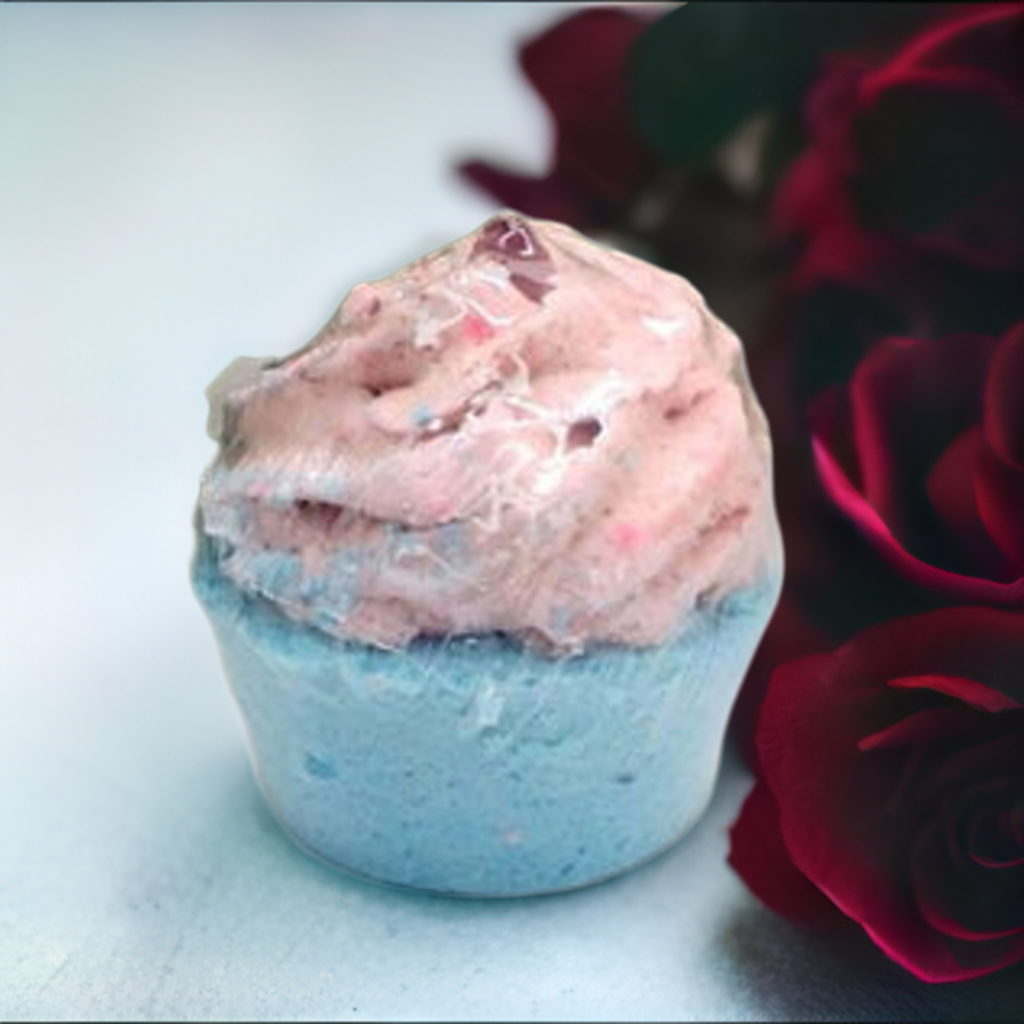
point(523, 432)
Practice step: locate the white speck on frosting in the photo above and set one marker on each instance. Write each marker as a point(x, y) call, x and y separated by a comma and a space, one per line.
point(664, 327)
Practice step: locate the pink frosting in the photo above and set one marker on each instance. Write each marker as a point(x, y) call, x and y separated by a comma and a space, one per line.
point(522, 432)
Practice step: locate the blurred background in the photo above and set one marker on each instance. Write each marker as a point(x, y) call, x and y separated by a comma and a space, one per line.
point(181, 184)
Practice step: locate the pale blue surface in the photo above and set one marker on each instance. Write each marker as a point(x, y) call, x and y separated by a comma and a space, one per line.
point(472, 766)
point(181, 183)
point(141, 877)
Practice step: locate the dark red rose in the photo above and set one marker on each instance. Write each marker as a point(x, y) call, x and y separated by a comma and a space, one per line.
point(835, 583)
point(923, 451)
point(599, 162)
point(892, 791)
point(855, 194)
point(813, 201)
point(950, 517)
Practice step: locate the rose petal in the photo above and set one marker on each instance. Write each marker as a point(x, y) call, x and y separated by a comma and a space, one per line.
point(831, 801)
point(832, 798)
point(975, 52)
point(900, 393)
point(809, 197)
point(759, 856)
point(983, 645)
point(831, 418)
point(921, 727)
point(957, 896)
point(1004, 409)
point(970, 643)
point(945, 483)
point(999, 480)
point(976, 959)
point(853, 504)
point(812, 199)
point(578, 67)
point(999, 492)
point(842, 251)
point(996, 752)
point(909, 400)
point(548, 198)
point(949, 489)
point(991, 39)
point(949, 45)
point(991, 844)
point(976, 694)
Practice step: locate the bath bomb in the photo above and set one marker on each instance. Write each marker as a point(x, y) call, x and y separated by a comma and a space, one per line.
point(487, 561)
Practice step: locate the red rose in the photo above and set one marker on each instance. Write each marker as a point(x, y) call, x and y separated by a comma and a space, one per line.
point(849, 194)
point(823, 546)
point(813, 201)
point(578, 68)
point(920, 453)
point(924, 452)
point(892, 791)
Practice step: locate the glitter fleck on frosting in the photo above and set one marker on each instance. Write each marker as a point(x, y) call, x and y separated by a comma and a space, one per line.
point(523, 433)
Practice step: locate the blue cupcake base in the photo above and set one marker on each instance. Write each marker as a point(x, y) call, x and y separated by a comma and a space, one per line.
point(472, 767)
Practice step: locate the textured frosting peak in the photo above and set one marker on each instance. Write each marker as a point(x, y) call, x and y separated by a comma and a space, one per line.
point(522, 432)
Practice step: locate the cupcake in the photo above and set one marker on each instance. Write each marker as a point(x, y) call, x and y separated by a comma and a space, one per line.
point(486, 562)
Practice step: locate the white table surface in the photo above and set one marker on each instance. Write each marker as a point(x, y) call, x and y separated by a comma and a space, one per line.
point(181, 184)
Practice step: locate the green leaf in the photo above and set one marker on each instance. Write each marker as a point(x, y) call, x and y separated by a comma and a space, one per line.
point(697, 73)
